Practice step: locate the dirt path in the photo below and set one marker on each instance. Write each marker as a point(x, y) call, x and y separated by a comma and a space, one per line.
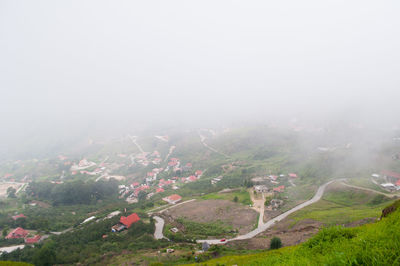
point(258, 206)
point(272, 222)
point(202, 139)
point(158, 233)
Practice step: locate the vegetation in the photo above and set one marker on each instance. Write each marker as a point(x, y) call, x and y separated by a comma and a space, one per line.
point(275, 243)
point(371, 244)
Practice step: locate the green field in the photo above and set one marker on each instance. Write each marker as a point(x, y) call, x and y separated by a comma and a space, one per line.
point(343, 205)
point(242, 195)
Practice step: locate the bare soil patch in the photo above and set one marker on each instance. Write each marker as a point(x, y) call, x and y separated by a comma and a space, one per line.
point(5, 186)
point(302, 231)
point(236, 215)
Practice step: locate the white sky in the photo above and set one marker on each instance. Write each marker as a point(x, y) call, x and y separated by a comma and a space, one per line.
point(196, 59)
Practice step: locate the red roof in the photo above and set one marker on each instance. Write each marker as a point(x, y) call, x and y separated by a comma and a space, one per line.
point(135, 184)
point(279, 189)
point(17, 233)
point(150, 174)
point(192, 178)
point(172, 163)
point(128, 221)
point(32, 240)
point(188, 165)
point(174, 197)
point(15, 217)
point(398, 183)
point(391, 174)
point(159, 190)
point(198, 172)
point(293, 175)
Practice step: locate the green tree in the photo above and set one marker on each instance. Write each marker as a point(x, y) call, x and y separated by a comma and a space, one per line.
point(235, 199)
point(46, 255)
point(142, 196)
point(275, 243)
point(5, 231)
point(11, 192)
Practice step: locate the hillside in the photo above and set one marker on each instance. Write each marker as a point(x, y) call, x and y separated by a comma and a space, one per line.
point(371, 244)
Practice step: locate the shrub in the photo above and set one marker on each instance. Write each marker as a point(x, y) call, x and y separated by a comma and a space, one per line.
point(275, 243)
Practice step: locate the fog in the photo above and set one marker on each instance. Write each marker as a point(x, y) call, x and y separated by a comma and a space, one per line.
point(68, 67)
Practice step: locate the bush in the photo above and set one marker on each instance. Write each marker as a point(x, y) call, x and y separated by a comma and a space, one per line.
point(275, 243)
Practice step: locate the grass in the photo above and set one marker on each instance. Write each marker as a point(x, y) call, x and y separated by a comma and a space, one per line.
point(341, 205)
point(371, 244)
point(203, 230)
point(243, 196)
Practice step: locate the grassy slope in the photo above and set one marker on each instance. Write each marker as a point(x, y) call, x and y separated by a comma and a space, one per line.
point(341, 205)
point(371, 244)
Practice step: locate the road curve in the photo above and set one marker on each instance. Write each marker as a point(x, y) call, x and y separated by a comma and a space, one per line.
point(265, 226)
point(158, 233)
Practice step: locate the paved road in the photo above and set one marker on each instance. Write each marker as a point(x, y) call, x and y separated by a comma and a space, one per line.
point(11, 248)
point(372, 190)
point(271, 222)
point(158, 233)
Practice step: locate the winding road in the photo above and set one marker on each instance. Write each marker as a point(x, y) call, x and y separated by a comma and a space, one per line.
point(265, 226)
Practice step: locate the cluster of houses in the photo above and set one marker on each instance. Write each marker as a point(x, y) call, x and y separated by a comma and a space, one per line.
point(19, 232)
point(262, 182)
point(391, 180)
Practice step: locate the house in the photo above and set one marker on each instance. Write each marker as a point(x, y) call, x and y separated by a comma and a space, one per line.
point(174, 230)
point(273, 177)
point(17, 233)
point(292, 175)
point(389, 186)
point(279, 189)
point(173, 199)
point(125, 222)
point(15, 217)
point(198, 173)
point(391, 176)
point(260, 189)
point(159, 190)
point(32, 240)
point(192, 178)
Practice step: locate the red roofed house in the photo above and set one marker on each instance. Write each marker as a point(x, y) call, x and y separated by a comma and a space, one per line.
point(15, 217)
point(292, 175)
point(192, 178)
point(151, 174)
point(159, 190)
point(173, 199)
point(198, 173)
point(279, 189)
point(32, 240)
point(125, 222)
point(392, 177)
point(135, 184)
point(398, 183)
point(17, 233)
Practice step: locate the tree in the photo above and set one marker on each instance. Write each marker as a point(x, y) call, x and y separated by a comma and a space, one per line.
point(235, 199)
point(5, 231)
point(11, 192)
point(275, 243)
point(142, 196)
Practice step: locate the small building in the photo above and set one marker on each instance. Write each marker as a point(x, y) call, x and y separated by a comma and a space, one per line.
point(205, 246)
point(32, 240)
point(292, 175)
point(260, 189)
point(279, 189)
point(18, 232)
point(15, 217)
point(174, 230)
point(173, 199)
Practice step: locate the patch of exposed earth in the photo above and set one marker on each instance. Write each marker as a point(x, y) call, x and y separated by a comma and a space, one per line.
point(230, 213)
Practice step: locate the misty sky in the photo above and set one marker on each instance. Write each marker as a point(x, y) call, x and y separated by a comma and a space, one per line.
point(71, 60)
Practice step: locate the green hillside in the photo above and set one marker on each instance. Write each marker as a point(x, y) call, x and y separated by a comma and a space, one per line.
point(371, 244)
